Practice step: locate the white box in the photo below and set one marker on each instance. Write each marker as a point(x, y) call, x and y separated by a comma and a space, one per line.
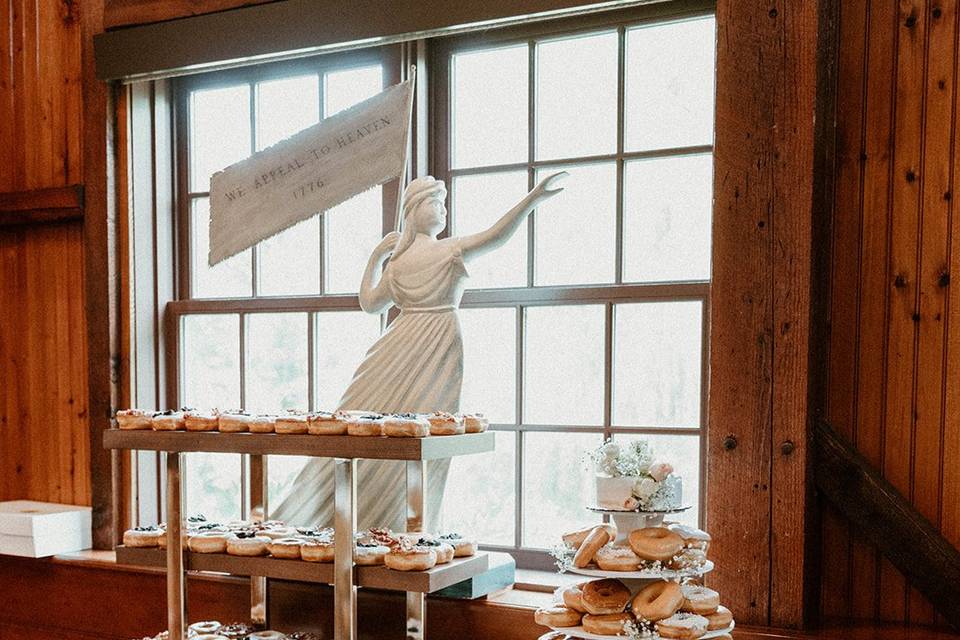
point(40, 529)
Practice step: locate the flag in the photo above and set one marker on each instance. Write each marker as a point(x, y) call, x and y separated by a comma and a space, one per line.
point(309, 172)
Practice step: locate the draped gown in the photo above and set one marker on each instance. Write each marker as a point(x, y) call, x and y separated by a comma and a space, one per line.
point(416, 366)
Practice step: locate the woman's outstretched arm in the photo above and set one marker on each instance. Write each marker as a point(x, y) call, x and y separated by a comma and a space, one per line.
point(503, 229)
point(374, 293)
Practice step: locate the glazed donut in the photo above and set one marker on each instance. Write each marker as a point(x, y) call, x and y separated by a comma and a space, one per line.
point(267, 635)
point(475, 423)
point(134, 419)
point(608, 595)
point(719, 619)
point(233, 422)
point(323, 423)
point(686, 626)
point(655, 543)
point(406, 425)
point(557, 616)
point(573, 597)
point(609, 624)
point(210, 626)
point(262, 424)
point(657, 600)
point(575, 538)
point(610, 558)
point(286, 548)
point(317, 550)
point(699, 600)
point(414, 559)
point(291, 423)
point(596, 539)
point(689, 558)
point(462, 547)
point(692, 537)
point(247, 544)
point(201, 420)
point(208, 542)
point(168, 421)
point(367, 425)
point(369, 554)
point(445, 424)
point(143, 537)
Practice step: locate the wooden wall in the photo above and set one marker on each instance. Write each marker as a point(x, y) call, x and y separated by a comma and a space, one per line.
point(43, 366)
point(894, 363)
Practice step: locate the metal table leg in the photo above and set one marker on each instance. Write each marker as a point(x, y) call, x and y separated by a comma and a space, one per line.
point(416, 489)
point(257, 473)
point(344, 526)
point(176, 577)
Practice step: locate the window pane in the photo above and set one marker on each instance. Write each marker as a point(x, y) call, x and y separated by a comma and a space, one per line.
point(656, 365)
point(490, 363)
point(211, 361)
point(563, 361)
point(289, 262)
point(478, 202)
point(683, 452)
point(576, 231)
point(487, 479)
point(228, 279)
point(219, 131)
point(281, 472)
point(556, 486)
point(489, 102)
point(285, 107)
point(276, 375)
point(342, 339)
point(577, 96)
point(670, 85)
point(352, 230)
point(213, 485)
point(343, 89)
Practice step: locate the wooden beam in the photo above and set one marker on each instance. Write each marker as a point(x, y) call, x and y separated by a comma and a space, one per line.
point(125, 13)
point(930, 563)
point(41, 205)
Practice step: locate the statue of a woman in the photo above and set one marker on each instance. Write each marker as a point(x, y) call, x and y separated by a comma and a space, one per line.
point(417, 364)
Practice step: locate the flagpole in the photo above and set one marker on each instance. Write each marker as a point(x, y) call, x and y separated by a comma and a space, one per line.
point(398, 218)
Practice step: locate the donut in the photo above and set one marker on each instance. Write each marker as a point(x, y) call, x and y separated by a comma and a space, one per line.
point(208, 636)
point(210, 626)
point(596, 539)
point(445, 424)
point(366, 425)
point(246, 543)
point(168, 421)
point(475, 423)
point(445, 553)
point(610, 558)
point(699, 600)
point(608, 595)
point(655, 543)
point(693, 538)
point(557, 616)
point(657, 600)
point(134, 420)
point(304, 635)
point(686, 626)
point(575, 538)
point(317, 550)
point(462, 547)
point(406, 425)
point(236, 630)
point(233, 422)
point(689, 558)
point(262, 424)
point(267, 635)
point(369, 554)
point(609, 624)
point(201, 420)
point(323, 423)
point(573, 597)
point(208, 542)
point(291, 423)
point(143, 536)
point(416, 558)
point(719, 619)
point(287, 548)
point(276, 532)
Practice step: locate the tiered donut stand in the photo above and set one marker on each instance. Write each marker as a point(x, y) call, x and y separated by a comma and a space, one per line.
point(626, 522)
point(345, 450)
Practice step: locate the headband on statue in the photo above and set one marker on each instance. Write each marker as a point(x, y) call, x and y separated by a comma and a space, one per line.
point(421, 190)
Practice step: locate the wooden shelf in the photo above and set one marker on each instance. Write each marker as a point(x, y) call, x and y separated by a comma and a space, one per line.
point(378, 577)
point(374, 448)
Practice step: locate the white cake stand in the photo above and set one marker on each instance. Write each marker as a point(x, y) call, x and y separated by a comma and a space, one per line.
point(648, 574)
point(559, 633)
point(627, 521)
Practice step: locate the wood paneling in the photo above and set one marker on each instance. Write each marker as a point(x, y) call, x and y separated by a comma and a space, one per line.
point(120, 13)
point(41, 205)
point(894, 354)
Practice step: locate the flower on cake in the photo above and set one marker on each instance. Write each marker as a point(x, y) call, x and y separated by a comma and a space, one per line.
point(629, 477)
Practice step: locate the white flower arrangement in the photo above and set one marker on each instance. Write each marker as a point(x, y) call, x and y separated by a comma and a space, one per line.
point(634, 461)
point(563, 557)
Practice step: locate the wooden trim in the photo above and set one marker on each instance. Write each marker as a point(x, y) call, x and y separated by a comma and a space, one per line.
point(126, 13)
point(41, 205)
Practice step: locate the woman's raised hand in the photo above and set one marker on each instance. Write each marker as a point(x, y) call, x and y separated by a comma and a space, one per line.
point(387, 245)
point(548, 187)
